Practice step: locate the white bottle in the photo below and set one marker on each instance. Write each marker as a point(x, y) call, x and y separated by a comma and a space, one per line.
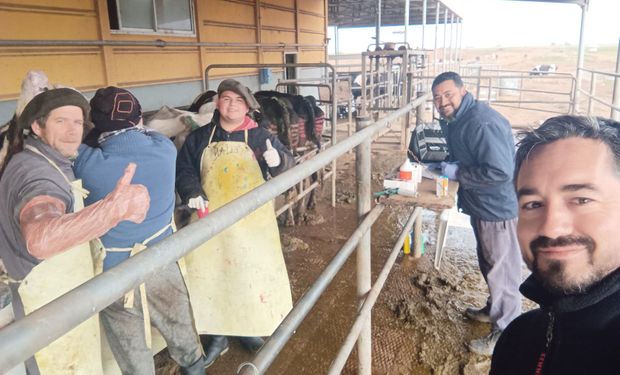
point(406, 171)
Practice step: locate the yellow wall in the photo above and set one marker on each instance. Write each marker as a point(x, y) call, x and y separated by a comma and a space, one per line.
point(250, 31)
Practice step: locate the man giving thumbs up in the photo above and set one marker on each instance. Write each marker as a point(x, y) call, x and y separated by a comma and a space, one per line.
point(120, 139)
point(271, 156)
point(222, 161)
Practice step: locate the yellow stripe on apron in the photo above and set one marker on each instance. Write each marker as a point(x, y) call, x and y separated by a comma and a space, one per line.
point(237, 281)
point(79, 350)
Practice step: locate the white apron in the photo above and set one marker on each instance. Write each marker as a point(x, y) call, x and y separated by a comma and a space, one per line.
point(237, 281)
point(79, 350)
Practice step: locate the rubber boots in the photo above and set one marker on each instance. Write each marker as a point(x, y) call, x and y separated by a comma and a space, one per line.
point(214, 348)
point(197, 368)
point(251, 344)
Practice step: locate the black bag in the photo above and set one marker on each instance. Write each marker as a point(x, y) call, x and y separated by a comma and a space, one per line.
point(428, 144)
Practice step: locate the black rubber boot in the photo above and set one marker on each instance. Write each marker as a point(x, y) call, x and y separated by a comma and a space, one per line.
point(214, 348)
point(251, 344)
point(197, 368)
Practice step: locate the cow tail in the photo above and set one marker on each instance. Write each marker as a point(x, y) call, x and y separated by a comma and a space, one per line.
point(15, 142)
point(281, 118)
point(309, 125)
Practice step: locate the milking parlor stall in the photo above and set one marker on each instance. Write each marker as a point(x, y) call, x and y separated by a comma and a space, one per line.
point(358, 125)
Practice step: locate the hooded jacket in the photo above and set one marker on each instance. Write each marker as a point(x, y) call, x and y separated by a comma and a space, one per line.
point(188, 182)
point(481, 140)
point(576, 334)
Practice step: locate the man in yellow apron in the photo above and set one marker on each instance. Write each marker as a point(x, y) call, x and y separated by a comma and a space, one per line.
point(237, 281)
point(117, 139)
point(44, 228)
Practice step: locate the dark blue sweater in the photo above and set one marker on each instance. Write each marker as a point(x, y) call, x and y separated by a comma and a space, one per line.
point(100, 168)
point(579, 333)
point(481, 140)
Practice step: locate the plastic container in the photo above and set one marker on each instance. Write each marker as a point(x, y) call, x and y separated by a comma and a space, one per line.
point(203, 212)
point(407, 243)
point(417, 173)
point(441, 187)
point(406, 171)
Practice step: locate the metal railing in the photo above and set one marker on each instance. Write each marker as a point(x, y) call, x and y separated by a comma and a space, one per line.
point(22, 338)
point(599, 88)
point(521, 89)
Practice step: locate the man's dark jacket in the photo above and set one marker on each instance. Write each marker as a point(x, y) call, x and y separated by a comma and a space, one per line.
point(480, 139)
point(188, 160)
point(585, 335)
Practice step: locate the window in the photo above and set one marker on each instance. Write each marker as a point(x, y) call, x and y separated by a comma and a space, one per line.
point(152, 16)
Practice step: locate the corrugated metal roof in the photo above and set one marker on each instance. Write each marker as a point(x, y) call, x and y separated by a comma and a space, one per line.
point(578, 2)
point(363, 13)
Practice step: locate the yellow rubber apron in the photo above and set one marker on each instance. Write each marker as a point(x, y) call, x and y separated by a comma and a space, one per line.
point(237, 281)
point(79, 350)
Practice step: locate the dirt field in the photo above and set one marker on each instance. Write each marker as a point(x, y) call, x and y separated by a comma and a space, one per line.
point(515, 64)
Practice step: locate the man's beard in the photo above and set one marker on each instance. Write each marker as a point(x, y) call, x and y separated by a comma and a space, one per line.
point(446, 116)
point(555, 278)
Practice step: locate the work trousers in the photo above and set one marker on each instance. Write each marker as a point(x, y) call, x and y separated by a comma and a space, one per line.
point(170, 312)
point(499, 259)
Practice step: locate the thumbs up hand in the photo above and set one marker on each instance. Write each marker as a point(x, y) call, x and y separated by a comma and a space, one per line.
point(128, 201)
point(271, 155)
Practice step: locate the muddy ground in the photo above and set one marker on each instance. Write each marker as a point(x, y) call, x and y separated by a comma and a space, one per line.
point(418, 325)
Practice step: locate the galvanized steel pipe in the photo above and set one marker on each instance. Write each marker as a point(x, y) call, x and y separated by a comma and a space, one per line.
point(580, 58)
point(363, 170)
point(283, 333)
point(364, 313)
point(615, 113)
point(146, 43)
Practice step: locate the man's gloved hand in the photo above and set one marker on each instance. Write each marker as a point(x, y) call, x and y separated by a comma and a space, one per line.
point(432, 166)
point(449, 170)
point(198, 203)
point(271, 155)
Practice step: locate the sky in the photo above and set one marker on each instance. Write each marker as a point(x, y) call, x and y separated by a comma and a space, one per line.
point(495, 23)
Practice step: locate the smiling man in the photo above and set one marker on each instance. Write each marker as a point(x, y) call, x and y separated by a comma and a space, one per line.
point(237, 281)
point(44, 229)
point(482, 160)
point(567, 181)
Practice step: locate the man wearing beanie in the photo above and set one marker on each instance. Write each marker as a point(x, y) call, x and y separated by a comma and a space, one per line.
point(237, 281)
point(120, 139)
point(44, 229)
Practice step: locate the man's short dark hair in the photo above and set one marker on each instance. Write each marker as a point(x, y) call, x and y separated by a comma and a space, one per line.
point(561, 127)
point(447, 76)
